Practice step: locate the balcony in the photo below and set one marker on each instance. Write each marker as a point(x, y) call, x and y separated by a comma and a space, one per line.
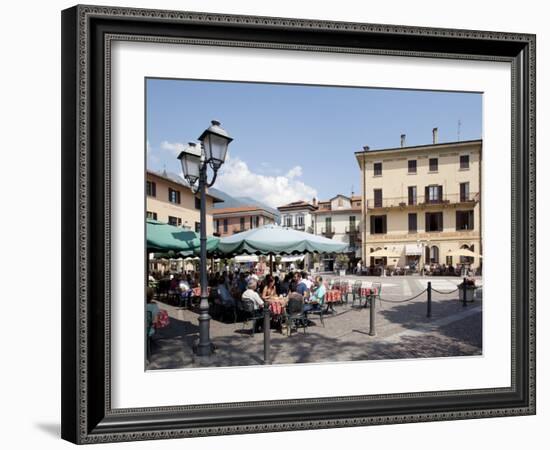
point(353, 229)
point(299, 227)
point(423, 236)
point(327, 232)
point(422, 202)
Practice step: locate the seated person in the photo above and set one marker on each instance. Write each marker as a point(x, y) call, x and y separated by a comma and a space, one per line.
point(224, 293)
point(317, 298)
point(251, 294)
point(269, 290)
point(153, 309)
point(301, 286)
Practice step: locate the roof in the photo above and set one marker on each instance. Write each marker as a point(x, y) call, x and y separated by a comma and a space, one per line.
point(239, 209)
point(418, 147)
point(300, 204)
point(175, 178)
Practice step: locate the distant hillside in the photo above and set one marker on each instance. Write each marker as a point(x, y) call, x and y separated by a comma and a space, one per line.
point(232, 202)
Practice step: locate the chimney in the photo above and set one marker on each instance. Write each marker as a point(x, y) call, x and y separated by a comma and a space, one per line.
point(314, 201)
point(434, 134)
point(403, 136)
point(366, 148)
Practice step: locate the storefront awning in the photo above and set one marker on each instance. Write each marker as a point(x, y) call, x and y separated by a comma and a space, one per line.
point(413, 250)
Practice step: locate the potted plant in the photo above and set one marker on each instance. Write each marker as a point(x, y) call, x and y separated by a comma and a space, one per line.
point(469, 286)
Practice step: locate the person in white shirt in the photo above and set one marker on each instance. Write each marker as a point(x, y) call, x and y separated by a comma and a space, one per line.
point(251, 294)
point(306, 279)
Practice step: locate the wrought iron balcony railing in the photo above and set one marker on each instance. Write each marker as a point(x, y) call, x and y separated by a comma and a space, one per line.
point(421, 200)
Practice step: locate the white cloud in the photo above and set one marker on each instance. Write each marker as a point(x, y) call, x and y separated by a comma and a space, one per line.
point(238, 180)
point(296, 171)
point(173, 147)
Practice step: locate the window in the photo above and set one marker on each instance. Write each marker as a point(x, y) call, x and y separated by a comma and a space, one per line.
point(464, 192)
point(257, 220)
point(434, 194)
point(434, 221)
point(151, 189)
point(288, 221)
point(433, 164)
point(464, 220)
point(242, 223)
point(300, 220)
point(217, 226)
point(174, 196)
point(225, 225)
point(352, 224)
point(176, 221)
point(464, 161)
point(378, 224)
point(251, 221)
point(328, 224)
point(378, 198)
point(434, 255)
point(412, 195)
point(151, 215)
point(412, 166)
point(377, 169)
point(412, 223)
point(197, 227)
point(340, 201)
point(197, 203)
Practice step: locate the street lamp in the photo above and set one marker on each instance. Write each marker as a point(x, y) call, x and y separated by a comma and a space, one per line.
point(194, 163)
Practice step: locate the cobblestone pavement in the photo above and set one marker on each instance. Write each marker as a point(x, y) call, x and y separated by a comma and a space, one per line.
point(403, 331)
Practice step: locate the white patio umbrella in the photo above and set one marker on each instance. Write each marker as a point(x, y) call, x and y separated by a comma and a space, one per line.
point(384, 253)
point(464, 252)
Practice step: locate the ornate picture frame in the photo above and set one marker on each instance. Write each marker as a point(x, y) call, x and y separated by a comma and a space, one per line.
point(87, 35)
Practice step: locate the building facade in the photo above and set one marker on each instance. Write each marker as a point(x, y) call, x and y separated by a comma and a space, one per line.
point(340, 219)
point(228, 221)
point(170, 200)
point(422, 202)
point(299, 215)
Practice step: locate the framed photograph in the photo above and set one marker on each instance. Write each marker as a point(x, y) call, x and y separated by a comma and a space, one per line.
point(282, 224)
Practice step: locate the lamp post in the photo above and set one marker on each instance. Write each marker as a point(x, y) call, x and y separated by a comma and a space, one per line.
point(194, 163)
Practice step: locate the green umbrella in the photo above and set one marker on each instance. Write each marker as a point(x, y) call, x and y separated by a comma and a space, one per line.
point(162, 237)
point(276, 240)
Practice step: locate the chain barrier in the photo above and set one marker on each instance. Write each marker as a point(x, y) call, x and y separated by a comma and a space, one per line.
point(444, 293)
point(403, 301)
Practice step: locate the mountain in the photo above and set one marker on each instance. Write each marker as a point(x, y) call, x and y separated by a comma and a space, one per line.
point(233, 202)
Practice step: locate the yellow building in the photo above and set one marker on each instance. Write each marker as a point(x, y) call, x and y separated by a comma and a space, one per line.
point(170, 200)
point(422, 202)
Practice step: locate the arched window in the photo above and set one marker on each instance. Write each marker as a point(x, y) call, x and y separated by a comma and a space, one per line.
point(434, 254)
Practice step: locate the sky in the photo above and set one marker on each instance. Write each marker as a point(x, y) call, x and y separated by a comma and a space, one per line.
point(295, 142)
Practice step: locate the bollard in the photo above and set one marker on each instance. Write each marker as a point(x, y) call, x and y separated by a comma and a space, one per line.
point(267, 335)
point(372, 331)
point(464, 292)
point(429, 313)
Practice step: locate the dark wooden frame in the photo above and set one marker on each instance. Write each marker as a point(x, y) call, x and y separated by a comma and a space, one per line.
point(87, 31)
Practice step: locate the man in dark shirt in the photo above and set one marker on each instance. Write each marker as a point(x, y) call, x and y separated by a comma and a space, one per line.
point(301, 287)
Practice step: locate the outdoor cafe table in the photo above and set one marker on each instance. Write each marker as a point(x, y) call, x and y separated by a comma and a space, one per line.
point(332, 296)
point(277, 305)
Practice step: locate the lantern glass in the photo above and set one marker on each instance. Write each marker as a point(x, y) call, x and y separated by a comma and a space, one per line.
point(190, 159)
point(215, 141)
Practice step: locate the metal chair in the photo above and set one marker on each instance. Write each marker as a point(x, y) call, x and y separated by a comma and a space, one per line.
point(318, 310)
point(356, 292)
point(295, 315)
point(250, 313)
